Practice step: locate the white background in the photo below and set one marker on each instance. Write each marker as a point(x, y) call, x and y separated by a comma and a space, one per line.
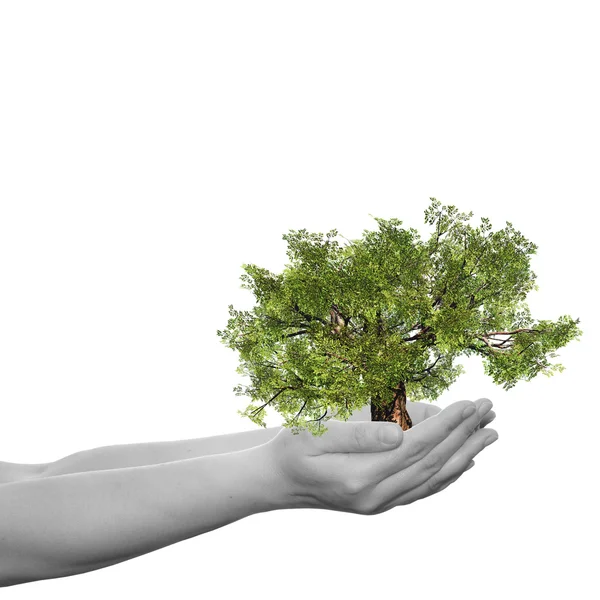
point(149, 149)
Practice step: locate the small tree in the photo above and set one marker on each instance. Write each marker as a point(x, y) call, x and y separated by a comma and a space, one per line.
point(383, 318)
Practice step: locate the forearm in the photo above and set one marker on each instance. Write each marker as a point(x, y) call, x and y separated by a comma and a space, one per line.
point(71, 524)
point(134, 455)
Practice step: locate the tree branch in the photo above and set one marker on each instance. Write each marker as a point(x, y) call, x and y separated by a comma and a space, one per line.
point(270, 364)
point(507, 340)
point(438, 301)
point(428, 369)
point(439, 233)
point(308, 317)
point(300, 410)
point(521, 329)
point(499, 346)
point(487, 343)
point(289, 387)
point(320, 418)
point(418, 335)
point(479, 289)
point(526, 348)
point(332, 354)
point(415, 326)
point(477, 349)
point(289, 335)
point(487, 237)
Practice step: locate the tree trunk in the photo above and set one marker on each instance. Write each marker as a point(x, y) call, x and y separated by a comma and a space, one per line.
point(395, 411)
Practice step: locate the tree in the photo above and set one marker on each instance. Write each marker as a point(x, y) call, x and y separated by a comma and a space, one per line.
point(382, 319)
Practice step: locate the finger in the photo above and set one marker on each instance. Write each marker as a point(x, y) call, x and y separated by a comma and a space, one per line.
point(451, 471)
point(358, 436)
point(430, 410)
point(444, 479)
point(461, 460)
point(420, 469)
point(416, 411)
point(419, 411)
point(444, 465)
point(433, 410)
point(424, 437)
point(487, 419)
point(459, 463)
point(423, 491)
point(431, 490)
point(484, 405)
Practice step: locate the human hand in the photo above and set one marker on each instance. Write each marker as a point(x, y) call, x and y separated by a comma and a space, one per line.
point(350, 469)
point(419, 411)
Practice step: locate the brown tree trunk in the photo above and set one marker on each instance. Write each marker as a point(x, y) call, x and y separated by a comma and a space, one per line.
point(395, 411)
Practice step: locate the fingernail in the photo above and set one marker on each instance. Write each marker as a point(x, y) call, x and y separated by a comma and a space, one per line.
point(471, 465)
point(468, 411)
point(390, 434)
point(490, 440)
point(485, 408)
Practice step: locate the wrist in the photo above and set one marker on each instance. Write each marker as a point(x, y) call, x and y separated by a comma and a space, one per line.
point(275, 493)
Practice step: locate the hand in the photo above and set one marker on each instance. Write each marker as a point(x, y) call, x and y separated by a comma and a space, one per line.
point(419, 411)
point(350, 469)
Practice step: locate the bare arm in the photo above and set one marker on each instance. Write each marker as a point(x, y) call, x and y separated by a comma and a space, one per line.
point(134, 455)
point(70, 524)
point(10, 471)
point(152, 453)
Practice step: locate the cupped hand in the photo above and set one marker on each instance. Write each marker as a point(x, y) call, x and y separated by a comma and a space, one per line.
point(419, 411)
point(350, 468)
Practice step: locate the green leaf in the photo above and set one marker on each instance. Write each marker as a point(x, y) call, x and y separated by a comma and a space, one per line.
point(343, 325)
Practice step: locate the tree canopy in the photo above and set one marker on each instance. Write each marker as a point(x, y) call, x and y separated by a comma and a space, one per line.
point(343, 326)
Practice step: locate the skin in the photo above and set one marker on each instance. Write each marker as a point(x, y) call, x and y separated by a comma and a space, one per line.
point(350, 470)
point(108, 505)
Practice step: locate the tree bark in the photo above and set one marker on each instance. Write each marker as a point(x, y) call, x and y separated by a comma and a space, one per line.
point(395, 411)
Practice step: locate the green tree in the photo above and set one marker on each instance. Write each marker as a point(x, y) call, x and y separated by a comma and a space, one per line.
point(382, 319)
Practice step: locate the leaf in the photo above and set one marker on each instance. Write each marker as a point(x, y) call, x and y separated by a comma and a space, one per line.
point(343, 324)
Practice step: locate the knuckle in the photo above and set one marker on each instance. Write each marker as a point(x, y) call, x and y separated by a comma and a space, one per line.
point(449, 482)
point(448, 427)
point(433, 461)
point(418, 447)
point(369, 507)
point(434, 485)
point(472, 428)
point(360, 435)
point(406, 500)
point(353, 487)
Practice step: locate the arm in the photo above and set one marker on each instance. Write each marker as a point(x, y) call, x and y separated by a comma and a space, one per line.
point(10, 471)
point(135, 455)
point(70, 524)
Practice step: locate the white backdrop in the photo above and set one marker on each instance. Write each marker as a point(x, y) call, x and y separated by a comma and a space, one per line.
point(149, 149)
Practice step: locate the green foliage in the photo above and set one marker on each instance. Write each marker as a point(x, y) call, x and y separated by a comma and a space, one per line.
point(342, 326)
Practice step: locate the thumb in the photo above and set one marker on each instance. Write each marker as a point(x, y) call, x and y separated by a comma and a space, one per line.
point(360, 436)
